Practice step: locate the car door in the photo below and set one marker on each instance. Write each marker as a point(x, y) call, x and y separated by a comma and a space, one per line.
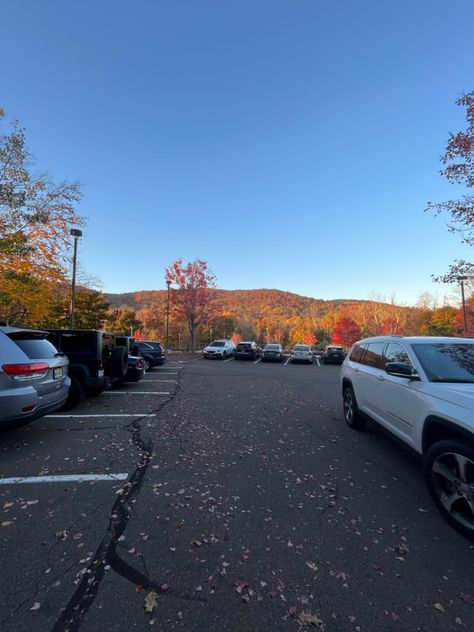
point(368, 377)
point(398, 397)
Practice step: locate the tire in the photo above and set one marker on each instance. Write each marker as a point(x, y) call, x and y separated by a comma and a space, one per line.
point(351, 411)
point(449, 476)
point(118, 362)
point(76, 394)
point(148, 363)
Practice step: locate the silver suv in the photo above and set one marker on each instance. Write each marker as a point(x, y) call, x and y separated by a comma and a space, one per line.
point(33, 376)
point(421, 389)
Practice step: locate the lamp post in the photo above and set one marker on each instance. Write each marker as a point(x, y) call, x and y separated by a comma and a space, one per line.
point(461, 280)
point(168, 283)
point(76, 233)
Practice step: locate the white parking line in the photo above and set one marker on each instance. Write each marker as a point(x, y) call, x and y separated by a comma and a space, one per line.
point(150, 380)
point(64, 478)
point(229, 360)
point(287, 362)
point(135, 393)
point(170, 373)
point(107, 415)
point(257, 361)
point(317, 360)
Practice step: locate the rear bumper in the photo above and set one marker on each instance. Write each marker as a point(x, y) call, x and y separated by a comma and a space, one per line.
point(244, 356)
point(40, 410)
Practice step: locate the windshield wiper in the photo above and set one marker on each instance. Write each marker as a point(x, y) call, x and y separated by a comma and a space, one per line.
point(452, 380)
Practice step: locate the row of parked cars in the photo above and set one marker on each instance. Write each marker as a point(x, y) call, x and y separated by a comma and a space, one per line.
point(272, 352)
point(42, 371)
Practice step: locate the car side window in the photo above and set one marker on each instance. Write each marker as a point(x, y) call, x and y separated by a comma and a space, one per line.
point(395, 352)
point(356, 353)
point(373, 355)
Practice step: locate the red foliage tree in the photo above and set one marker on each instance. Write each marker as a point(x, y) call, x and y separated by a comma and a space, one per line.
point(192, 301)
point(459, 321)
point(345, 332)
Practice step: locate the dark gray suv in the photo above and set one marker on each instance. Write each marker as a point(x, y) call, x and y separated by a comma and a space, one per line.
point(33, 376)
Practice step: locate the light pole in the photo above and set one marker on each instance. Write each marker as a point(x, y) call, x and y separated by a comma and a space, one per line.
point(76, 233)
point(168, 283)
point(461, 280)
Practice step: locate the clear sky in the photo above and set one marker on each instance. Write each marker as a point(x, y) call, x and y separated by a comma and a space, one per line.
point(292, 144)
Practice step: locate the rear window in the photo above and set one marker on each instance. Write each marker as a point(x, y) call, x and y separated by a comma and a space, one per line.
point(301, 348)
point(356, 353)
point(272, 347)
point(70, 343)
point(35, 348)
point(155, 345)
point(244, 345)
point(373, 355)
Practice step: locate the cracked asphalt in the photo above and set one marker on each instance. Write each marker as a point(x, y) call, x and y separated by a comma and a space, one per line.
point(248, 505)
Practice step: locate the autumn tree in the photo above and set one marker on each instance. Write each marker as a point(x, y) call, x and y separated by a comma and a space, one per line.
point(459, 169)
point(192, 301)
point(36, 215)
point(123, 321)
point(442, 321)
point(345, 332)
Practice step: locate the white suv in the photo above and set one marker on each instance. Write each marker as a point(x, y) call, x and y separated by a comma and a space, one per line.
point(219, 349)
point(421, 389)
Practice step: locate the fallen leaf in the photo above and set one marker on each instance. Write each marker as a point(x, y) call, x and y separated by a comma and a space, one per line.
point(61, 535)
point(312, 566)
point(36, 606)
point(439, 606)
point(307, 618)
point(151, 601)
point(7, 504)
point(7, 523)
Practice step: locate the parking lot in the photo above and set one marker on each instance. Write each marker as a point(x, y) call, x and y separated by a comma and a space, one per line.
point(218, 495)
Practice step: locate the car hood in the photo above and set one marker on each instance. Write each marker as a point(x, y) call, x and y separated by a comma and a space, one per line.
point(458, 394)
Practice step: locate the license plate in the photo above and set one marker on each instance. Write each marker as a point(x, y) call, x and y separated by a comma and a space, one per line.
point(100, 372)
point(57, 372)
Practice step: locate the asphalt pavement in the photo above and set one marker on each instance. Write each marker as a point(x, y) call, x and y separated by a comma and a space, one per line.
point(222, 495)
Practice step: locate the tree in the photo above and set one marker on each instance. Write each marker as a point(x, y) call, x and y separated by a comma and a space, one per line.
point(123, 321)
point(192, 301)
point(345, 332)
point(459, 169)
point(442, 321)
point(36, 215)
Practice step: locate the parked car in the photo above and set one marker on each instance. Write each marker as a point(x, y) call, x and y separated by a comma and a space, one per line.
point(129, 343)
point(272, 352)
point(421, 389)
point(246, 350)
point(136, 369)
point(33, 376)
point(219, 349)
point(95, 361)
point(301, 353)
point(152, 352)
point(334, 354)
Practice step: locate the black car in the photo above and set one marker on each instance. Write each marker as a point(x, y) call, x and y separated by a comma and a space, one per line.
point(95, 361)
point(273, 353)
point(246, 351)
point(333, 354)
point(152, 352)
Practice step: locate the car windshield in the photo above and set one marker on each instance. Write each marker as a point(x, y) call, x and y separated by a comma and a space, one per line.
point(447, 362)
point(301, 348)
point(244, 345)
point(272, 347)
point(217, 343)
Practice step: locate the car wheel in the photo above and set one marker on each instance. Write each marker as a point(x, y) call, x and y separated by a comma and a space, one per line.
point(449, 475)
point(148, 363)
point(76, 394)
point(351, 411)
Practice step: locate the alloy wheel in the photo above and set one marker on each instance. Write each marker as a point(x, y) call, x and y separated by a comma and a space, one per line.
point(452, 476)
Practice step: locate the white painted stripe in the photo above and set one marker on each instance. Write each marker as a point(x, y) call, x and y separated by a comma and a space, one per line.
point(229, 360)
point(317, 360)
point(170, 373)
point(135, 393)
point(257, 361)
point(107, 415)
point(150, 380)
point(64, 478)
point(287, 361)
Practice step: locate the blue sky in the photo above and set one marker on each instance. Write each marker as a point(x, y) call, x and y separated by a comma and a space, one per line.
point(291, 144)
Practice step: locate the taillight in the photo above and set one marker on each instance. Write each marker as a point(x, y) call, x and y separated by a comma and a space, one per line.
point(26, 371)
point(139, 364)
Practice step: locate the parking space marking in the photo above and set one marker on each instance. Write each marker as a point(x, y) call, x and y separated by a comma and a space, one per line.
point(78, 416)
point(158, 380)
point(64, 478)
point(229, 360)
point(317, 360)
point(286, 362)
point(135, 393)
point(257, 361)
point(170, 372)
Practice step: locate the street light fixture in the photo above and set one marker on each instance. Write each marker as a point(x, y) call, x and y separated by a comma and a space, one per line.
point(461, 280)
point(168, 283)
point(76, 233)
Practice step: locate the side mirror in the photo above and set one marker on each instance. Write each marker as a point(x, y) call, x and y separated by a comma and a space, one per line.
point(401, 369)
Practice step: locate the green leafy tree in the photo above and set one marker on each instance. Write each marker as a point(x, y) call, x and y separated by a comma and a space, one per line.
point(442, 322)
point(123, 321)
